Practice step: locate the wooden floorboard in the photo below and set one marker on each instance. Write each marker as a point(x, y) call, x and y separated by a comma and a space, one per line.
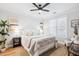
point(20, 51)
point(60, 51)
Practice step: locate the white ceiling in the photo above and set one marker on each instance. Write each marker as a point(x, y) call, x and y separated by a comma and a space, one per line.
point(22, 9)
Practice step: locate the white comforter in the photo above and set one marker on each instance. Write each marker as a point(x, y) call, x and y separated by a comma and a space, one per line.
point(38, 45)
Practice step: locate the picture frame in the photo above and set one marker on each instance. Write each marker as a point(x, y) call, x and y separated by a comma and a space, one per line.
point(74, 22)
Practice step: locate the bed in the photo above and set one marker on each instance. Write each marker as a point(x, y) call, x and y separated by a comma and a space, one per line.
point(37, 45)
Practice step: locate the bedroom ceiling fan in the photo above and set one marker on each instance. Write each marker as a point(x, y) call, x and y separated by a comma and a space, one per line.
point(40, 7)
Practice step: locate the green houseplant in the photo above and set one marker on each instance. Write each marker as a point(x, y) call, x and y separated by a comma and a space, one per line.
point(3, 32)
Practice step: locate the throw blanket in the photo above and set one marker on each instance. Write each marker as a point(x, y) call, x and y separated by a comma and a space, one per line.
point(38, 45)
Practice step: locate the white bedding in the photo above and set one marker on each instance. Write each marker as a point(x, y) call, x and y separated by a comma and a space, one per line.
point(38, 44)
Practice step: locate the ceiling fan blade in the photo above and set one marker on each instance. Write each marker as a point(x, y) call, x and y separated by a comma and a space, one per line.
point(45, 5)
point(45, 10)
point(35, 5)
point(34, 10)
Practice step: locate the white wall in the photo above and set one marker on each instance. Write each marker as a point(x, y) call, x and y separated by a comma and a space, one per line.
point(27, 22)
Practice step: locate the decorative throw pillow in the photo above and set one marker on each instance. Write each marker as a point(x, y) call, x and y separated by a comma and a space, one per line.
point(29, 34)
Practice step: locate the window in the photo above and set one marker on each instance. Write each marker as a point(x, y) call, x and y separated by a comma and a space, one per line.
point(58, 27)
point(62, 27)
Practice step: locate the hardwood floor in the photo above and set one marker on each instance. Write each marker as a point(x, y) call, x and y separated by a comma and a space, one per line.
point(60, 51)
point(20, 51)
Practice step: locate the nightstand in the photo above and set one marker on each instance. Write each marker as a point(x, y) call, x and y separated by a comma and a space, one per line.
point(16, 41)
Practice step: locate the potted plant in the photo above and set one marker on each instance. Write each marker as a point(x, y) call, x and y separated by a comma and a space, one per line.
point(3, 32)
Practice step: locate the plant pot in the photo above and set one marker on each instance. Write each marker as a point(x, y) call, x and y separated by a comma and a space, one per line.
point(3, 50)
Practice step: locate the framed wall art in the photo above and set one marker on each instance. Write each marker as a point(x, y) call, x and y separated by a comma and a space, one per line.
point(74, 22)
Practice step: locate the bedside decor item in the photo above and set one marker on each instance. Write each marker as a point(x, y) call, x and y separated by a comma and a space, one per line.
point(41, 28)
point(3, 32)
point(75, 30)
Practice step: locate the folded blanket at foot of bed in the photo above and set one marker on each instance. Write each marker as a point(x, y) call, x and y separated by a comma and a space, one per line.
point(38, 45)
